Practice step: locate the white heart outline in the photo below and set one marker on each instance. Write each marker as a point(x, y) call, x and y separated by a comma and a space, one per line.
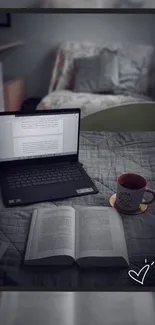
point(137, 274)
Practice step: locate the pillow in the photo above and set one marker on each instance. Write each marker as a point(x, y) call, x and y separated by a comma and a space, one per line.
point(86, 72)
point(97, 74)
point(129, 74)
point(62, 73)
point(109, 71)
point(134, 70)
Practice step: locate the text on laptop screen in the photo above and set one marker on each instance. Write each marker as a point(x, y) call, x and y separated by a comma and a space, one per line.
point(37, 136)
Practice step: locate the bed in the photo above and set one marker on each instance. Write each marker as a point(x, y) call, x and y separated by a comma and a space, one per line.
point(135, 87)
point(105, 155)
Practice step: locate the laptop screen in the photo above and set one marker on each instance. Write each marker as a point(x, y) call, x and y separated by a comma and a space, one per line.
point(38, 135)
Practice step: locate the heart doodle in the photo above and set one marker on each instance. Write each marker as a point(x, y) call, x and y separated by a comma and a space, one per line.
point(142, 273)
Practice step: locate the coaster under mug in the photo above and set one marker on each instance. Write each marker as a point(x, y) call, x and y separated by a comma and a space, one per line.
point(142, 207)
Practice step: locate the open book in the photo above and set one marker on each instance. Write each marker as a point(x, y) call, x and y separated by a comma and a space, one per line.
point(91, 236)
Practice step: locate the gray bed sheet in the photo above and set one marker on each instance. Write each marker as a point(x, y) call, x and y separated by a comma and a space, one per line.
point(105, 155)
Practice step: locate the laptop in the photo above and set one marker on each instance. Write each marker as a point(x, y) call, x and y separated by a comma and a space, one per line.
point(39, 157)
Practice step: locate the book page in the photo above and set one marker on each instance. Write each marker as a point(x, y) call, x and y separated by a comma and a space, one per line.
point(99, 233)
point(52, 233)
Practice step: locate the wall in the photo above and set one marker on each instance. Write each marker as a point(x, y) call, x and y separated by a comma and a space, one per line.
point(43, 32)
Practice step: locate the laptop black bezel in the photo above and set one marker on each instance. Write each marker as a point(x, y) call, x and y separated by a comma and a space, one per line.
point(43, 160)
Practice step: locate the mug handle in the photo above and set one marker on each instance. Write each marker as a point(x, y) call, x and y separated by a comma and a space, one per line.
point(153, 194)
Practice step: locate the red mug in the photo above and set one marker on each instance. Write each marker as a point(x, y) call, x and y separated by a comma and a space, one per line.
point(130, 192)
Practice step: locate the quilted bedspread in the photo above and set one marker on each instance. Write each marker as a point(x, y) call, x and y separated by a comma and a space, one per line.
point(105, 155)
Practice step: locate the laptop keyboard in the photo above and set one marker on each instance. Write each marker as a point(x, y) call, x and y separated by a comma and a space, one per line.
point(43, 175)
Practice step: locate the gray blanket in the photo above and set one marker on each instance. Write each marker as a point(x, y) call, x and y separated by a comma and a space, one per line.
point(105, 156)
